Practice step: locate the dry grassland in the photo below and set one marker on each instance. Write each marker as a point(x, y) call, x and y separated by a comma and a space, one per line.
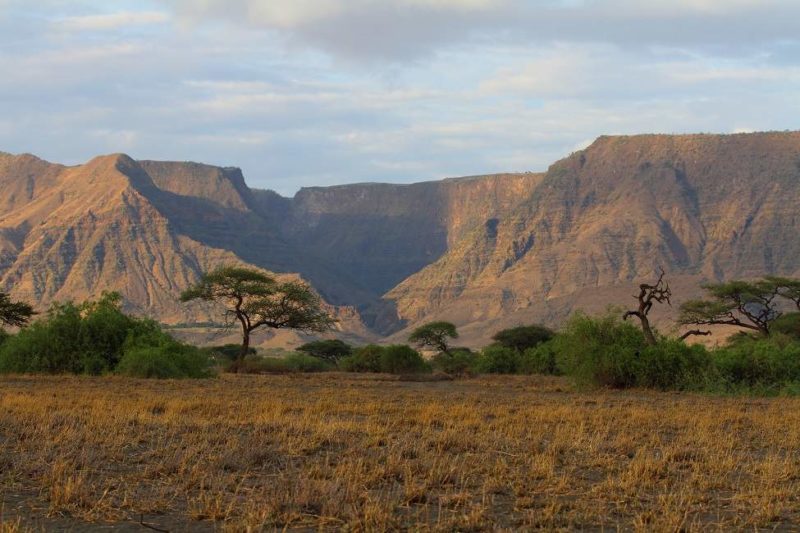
point(363, 453)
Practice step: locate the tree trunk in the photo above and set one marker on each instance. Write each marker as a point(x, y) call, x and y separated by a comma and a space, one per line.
point(649, 337)
point(244, 351)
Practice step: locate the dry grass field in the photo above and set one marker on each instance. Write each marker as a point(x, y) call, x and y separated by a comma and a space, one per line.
point(365, 453)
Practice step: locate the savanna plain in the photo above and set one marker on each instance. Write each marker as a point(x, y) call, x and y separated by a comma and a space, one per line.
point(337, 451)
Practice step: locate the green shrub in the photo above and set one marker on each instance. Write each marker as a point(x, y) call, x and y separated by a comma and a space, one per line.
point(90, 338)
point(541, 359)
point(456, 362)
point(394, 359)
point(522, 338)
point(227, 352)
point(163, 358)
point(292, 362)
point(788, 324)
point(496, 359)
point(672, 364)
point(402, 359)
point(599, 351)
point(364, 359)
point(762, 364)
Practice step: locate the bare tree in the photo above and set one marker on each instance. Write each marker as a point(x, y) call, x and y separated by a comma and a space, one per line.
point(658, 292)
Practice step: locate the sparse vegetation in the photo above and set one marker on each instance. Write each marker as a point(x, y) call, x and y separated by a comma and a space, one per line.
point(372, 453)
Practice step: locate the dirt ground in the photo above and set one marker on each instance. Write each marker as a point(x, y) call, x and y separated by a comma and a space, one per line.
point(372, 453)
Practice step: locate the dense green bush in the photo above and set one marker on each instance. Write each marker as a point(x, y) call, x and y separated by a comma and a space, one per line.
point(788, 324)
point(227, 352)
point(157, 355)
point(364, 359)
point(496, 359)
point(289, 363)
point(541, 359)
point(599, 351)
point(402, 359)
point(456, 361)
point(394, 359)
point(760, 364)
point(522, 338)
point(93, 338)
point(672, 364)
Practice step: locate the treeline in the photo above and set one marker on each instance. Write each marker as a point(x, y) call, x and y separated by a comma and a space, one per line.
point(97, 337)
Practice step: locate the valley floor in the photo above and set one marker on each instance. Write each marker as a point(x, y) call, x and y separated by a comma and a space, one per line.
point(372, 453)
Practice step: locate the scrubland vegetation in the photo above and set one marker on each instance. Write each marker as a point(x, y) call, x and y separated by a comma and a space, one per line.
point(532, 431)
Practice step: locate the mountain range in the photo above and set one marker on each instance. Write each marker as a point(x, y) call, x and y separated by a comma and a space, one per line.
point(485, 252)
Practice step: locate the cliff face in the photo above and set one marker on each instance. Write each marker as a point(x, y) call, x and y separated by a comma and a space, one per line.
point(485, 251)
point(700, 206)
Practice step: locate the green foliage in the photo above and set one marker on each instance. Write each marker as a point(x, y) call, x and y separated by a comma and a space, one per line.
point(394, 359)
point(402, 359)
point(364, 359)
point(434, 335)
point(91, 338)
point(496, 359)
point(760, 364)
point(157, 355)
point(227, 352)
point(456, 362)
point(672, 365)
point(599, 351)
point(541, 359)
point(81, 339)
point(327, 350)
point(14, 313)
point(292, 362)
point(788, 324)
point(522, 338)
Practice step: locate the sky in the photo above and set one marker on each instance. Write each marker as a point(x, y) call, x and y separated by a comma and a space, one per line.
point(320, 92)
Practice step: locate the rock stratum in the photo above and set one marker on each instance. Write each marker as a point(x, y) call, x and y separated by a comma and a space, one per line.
point(485, 252)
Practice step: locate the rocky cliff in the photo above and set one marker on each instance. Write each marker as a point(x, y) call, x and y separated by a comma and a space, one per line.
point(484, 251)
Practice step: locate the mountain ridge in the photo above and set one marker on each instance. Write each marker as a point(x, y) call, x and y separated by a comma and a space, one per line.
point(484, 251)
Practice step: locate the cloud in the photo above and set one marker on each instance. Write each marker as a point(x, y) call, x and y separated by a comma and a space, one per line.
point(403, 30)
point(112, 21)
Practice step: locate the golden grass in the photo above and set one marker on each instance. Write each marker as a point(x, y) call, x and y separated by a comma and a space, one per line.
point(351, 452)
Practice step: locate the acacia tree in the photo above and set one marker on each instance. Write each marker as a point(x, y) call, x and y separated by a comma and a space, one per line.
point(787, 287)
point(434, 335)
point(255, 299)
point(658, 292)
point(15, 314)
point(748, 305)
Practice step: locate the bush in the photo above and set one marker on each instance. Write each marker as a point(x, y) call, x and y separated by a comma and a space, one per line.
point(160, 356)
point(672, 364)
point(496, 359)
point(327, 350)
point(522, 338)
point(599, 351)
point(788, 324)
point(765, 364)
point(364, 359)
point(227, 352)
point(541, 359)
point(456, 362)
point(291, 363)
point(90, 338)
point(395, 359)
point(402, 359)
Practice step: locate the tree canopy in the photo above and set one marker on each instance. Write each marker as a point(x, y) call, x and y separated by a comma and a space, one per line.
point(746, 304)
point(12, 313)
point(254, 300)
point(521, 338)
point(328, 350)
point(434, 335)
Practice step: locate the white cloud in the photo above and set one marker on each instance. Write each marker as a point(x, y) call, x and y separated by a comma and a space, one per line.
point(112, 21)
